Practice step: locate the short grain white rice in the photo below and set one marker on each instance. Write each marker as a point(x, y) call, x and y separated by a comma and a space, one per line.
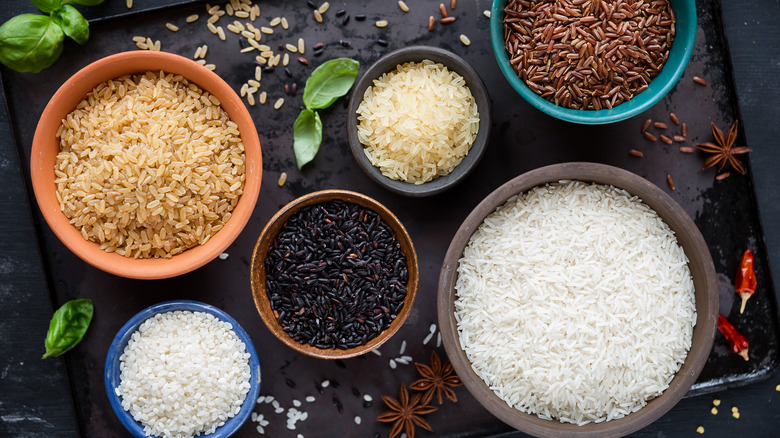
point(183, 374)
point(575, 302)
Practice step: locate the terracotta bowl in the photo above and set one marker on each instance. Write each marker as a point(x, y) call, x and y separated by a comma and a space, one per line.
point(390, 62)
point(46, 146)
point(258, 272)
point(700, 265)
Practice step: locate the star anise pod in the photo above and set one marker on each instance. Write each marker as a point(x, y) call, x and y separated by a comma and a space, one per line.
point(436, 379)
point(724, 150)
point(406, 412)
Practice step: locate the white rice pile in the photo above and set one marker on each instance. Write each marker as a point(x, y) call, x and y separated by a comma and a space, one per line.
point(418, 122)
point(575, 302)
point(149, 165)
point(183, 374)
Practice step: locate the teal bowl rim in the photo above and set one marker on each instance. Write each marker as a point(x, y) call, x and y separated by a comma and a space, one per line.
point(679, 55)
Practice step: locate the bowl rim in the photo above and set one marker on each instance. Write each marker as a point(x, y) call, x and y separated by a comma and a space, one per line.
point(116, 349)
point(45, 143)
point(389, 62)
point(670, 74)
point(685, 231)
point(257, 271)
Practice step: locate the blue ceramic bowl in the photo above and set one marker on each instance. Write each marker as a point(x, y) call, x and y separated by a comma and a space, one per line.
point(680, 53)
point(120, 342)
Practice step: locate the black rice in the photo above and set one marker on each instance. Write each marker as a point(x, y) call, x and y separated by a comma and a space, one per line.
point(336, 275)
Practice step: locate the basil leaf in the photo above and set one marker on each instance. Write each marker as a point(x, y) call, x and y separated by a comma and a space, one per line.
point(47, 5)
point(68, 326)
point(30, 42)
point(72, 23)
point(307, 136)
point(329, 81)
point(84, 2)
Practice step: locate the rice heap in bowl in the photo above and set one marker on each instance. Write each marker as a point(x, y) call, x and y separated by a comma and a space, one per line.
point(149, 165)
point(575, 302)
point(183, 374)
point(418, 122)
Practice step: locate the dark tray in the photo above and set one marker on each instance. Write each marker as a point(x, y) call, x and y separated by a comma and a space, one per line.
point(523, 139)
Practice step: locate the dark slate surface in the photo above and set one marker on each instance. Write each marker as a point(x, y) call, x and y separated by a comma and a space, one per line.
point(35, 398)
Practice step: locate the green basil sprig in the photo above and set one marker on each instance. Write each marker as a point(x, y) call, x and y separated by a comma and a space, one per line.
point(31, 42)
point(68, 326)
point(326, 83)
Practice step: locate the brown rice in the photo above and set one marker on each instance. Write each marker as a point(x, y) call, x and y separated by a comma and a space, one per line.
point(149, 165)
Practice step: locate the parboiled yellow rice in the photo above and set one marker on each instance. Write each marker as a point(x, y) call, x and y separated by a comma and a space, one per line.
point(418, 122)
point(149, 165)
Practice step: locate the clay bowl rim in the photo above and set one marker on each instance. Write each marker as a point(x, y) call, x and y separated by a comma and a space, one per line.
point(388, 63)
point(702, 271)
point(258, 276)
point(45, 147)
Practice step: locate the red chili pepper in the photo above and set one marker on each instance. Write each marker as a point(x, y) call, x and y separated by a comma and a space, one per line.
point(745, 281)
point(737, 342)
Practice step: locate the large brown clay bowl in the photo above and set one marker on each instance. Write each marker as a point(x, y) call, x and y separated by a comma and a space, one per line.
point(700, 265)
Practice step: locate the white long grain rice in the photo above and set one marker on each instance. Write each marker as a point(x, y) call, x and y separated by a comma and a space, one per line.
point(183, 374)
point(418, 122)
point(149, 166)
point(575, 302)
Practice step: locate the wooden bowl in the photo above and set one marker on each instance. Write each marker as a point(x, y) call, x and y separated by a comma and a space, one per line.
point(389, 63)
point(700, 265)
point(258, 273)
point(45, 148)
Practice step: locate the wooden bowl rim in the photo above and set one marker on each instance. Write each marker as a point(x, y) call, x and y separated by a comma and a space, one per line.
point(702, 271)
point(271, 229)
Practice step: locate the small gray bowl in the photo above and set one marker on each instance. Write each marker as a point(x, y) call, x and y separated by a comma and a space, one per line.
point(388, 63)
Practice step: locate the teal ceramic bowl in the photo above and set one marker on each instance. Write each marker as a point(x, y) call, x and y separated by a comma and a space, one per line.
point(680, 53)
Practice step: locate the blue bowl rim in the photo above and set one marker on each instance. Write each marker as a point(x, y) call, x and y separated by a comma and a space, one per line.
point(111, 373)
point(685, 31)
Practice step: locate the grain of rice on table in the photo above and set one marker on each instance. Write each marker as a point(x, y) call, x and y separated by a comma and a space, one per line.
point(575, 303)
point(418, 122)
point(183, 374)
point(149, 165)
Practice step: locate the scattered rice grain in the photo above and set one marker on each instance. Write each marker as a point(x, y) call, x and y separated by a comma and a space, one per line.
point(381, 23)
